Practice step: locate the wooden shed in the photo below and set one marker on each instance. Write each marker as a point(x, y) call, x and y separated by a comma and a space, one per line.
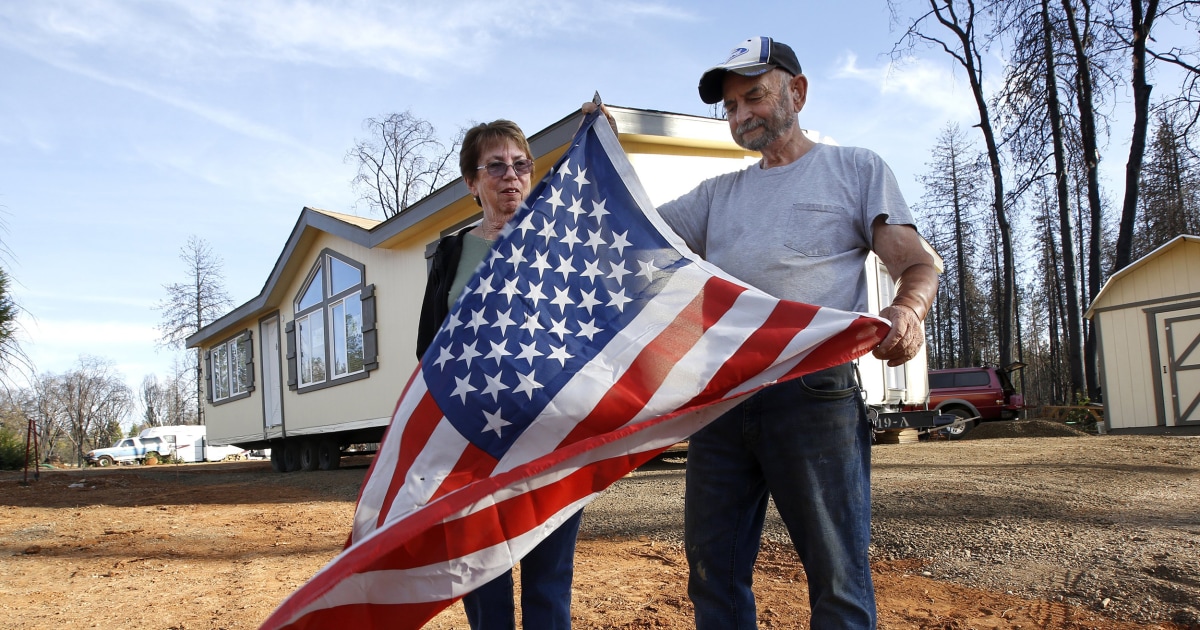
point(1147, 321)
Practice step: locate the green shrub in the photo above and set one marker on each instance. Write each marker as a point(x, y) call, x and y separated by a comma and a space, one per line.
point(12, 450)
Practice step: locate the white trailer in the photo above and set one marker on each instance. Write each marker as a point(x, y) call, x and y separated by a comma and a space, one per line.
point(896, 397)
point(189, 443)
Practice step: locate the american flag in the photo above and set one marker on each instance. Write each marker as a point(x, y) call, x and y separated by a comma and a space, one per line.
point(588, 341)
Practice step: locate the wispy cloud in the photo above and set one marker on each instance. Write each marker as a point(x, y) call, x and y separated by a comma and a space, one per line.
point(927, 84)
point(413, 38)
point(163, 49)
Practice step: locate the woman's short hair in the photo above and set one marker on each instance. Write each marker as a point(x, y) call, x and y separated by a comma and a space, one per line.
point(483, 136)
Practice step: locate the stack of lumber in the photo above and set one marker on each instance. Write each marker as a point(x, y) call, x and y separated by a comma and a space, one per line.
point(897, 436)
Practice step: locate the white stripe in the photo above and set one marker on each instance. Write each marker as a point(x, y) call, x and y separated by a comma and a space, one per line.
point(375, 485)
point(693, 372)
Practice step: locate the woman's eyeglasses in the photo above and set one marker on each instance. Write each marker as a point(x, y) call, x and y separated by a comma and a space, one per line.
point(500, 169)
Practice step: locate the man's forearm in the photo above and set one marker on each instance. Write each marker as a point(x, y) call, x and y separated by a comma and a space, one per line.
point(916, 289)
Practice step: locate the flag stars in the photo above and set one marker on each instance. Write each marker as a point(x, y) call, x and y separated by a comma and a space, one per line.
point(562, 299)
point(581, 178)
point(555, 199)
point(541, 262)
point(499, 351)
point(462, 387)
point(477, 320)
point(576, 208)
point(618, 271)
point(503, 321)
point(528, 384)
point(620, 242)
point(592, 269)
point(453, 322)
point(532, 324)
point(529, 352)
point(535, 294)
point(559, 327)
point(526, 225)
point(510, 288)
point(566, 267)
point(647, 270)
point(598, 210)
point(560, 353)
point(588, 300)
point(494, 422)
point(547, 231)
point(468, 353)
point(517, 256)
point(619, 300)
point(485, 287)
point(595, 241)
point(588, 329)
point(494, 386)
point(570, 238)
point(444, 355)
point(564, 171)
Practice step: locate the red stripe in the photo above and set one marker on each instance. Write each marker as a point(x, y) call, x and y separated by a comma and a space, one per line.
point(758, 352)
point(414, 437)
point(648, 371)
point(858, 339)
point(474, 464)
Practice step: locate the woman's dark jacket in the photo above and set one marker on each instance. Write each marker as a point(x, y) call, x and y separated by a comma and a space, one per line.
point(434, 308)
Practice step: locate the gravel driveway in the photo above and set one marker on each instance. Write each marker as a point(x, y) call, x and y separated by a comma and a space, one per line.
point(1104, 522)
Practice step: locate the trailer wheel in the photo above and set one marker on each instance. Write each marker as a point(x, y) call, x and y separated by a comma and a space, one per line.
point(104, 461)
point(291, 455)
point(968, 422)
point(277, 459)
point(308, 455)
point(329, 454)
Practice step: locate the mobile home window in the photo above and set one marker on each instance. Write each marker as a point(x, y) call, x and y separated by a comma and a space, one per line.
point(332, 337)
point(230, 368)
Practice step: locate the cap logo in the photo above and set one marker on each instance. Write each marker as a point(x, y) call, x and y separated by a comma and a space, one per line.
point(737, 52)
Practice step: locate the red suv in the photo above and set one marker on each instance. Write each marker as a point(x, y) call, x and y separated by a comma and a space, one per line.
point(974, 394)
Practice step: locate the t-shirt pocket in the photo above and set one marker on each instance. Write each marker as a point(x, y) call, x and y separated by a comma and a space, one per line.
point(815, 230)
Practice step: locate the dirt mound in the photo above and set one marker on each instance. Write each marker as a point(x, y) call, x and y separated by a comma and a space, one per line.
point(1022, 428)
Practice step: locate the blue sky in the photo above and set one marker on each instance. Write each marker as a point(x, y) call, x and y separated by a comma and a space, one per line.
point(127, 125)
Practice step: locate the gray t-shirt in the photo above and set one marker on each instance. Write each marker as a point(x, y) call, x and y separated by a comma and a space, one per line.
point(799, 232)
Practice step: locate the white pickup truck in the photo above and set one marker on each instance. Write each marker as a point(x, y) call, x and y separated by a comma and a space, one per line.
point(128, 450)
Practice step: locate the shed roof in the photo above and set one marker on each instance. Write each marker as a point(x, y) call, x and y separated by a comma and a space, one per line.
point(1138, 264)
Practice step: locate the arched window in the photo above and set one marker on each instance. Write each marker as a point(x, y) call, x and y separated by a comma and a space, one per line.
point(332, 338)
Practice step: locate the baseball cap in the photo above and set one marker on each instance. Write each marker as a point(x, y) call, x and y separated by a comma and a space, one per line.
point(749, 58)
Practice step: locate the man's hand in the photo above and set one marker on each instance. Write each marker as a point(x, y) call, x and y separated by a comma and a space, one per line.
point(590, 107)
point(905, 338)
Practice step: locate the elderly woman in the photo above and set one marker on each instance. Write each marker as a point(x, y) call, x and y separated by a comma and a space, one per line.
point(496, 164)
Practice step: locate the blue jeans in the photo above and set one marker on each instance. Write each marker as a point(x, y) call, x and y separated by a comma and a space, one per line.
point(546, 573)
point(807, 442)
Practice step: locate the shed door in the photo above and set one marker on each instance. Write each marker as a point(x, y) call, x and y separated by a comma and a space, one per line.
point(1179, 353)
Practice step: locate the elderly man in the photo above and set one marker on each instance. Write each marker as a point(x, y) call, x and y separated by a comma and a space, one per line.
point(798, 224)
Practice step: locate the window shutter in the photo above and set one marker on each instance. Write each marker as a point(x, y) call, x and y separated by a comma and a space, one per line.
point(370, 339)
point(293, 373)
point(248, 338)
point(208, 376)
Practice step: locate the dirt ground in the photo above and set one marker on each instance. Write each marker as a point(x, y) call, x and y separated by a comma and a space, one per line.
point(220, 545)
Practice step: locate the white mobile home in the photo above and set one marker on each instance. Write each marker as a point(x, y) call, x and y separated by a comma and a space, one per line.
point(317, 360)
